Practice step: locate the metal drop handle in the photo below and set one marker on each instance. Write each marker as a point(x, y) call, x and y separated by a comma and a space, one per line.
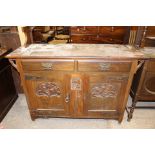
point(47, 65)
point(104, 66)
point(67, 99)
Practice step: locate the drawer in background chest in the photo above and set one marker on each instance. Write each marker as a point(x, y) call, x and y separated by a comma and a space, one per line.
point(84, 39)
point(113, 30)
point(99, 66)
point(52, 65)
point(84, 30)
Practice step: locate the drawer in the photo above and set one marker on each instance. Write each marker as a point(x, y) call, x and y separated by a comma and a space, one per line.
point(84, 30)
point(111, 40)
point(99, 66)
point(97, 39)
point(84, 39)
point(151, 66)
point(112, 29)
point(52, 65)
point(150, 31)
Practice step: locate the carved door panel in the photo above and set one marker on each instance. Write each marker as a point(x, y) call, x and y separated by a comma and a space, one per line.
point(104, 93)
point(48, 92)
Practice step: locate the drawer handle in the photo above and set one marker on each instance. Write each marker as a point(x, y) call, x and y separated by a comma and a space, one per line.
point(67, 99)
point(104, 66)
point(119, 78)
point(47, 65)
point(31, 77)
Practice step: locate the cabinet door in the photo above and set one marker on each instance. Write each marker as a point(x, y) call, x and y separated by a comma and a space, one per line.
point(104, 94)
point(48, 91)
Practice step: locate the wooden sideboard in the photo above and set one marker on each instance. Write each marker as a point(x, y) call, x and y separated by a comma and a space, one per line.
point(100, 34)
point(73, 81)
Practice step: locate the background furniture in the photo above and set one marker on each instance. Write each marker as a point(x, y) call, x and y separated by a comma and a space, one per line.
point(83, 34)
point(9, 38)
point(8, 94)
point(100, 34)
point(143, 86)
point(148, 39)
point(42, 34)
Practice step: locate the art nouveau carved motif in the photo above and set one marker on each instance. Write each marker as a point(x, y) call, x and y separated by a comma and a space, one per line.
point(76, 83)
point(48, 89)
point(103, 90)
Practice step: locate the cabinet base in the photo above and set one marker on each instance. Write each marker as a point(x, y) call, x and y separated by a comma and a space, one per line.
point(41, 114)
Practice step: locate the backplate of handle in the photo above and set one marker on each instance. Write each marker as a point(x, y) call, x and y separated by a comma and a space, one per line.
point(104, 66)
point(67, 99)
point(46, 65)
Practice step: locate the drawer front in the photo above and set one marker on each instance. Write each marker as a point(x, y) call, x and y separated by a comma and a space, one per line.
point(97, 39)
point(111, 40)
point(84, 39)
point(112, 30)
point(151, 66)
point(150, 31)
point(84, 30)
point(53, 65)
point(99, 66)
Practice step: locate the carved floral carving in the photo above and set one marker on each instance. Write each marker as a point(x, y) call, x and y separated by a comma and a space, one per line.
point(49, 89)
point(103, 90)
point(76, 83)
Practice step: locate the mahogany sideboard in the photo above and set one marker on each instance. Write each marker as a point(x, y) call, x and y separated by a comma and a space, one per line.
point(77, 80)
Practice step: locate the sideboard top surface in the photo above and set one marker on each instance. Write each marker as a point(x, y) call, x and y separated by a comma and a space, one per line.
point(149, 52)
point(76, 51)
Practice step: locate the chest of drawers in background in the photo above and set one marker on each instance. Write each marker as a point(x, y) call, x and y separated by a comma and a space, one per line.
point(100, 34)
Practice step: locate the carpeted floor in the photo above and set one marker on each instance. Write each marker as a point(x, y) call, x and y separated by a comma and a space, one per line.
point(19, 118)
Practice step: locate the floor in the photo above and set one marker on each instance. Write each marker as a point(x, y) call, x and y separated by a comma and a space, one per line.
point(18, 118)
